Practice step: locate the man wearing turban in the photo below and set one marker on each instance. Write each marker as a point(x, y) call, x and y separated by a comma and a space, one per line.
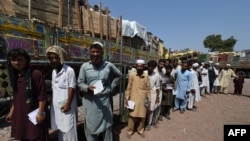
point(63, 105)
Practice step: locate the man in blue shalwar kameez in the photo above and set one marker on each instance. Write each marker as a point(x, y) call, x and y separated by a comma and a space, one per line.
point(183, 79)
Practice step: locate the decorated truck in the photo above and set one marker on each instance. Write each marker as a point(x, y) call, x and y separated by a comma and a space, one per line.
point(71, 24)
point(239, 61)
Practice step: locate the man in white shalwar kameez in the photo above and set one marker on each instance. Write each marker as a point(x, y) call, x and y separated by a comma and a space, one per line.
point(63, 107)
point(160, 70)
point(216, 81)
point(194, 96)
point(155, 87)
point(176, 66)
point(205, 79)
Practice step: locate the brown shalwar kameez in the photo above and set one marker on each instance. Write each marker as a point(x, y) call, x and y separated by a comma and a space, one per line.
point(21, 127)
point(138, 89)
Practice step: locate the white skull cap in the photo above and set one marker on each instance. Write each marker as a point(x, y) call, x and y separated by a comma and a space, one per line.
point(98, 43)
point(140, 61)
point(195, 65)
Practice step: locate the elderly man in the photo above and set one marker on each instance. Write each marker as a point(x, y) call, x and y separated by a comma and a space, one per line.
point(95, 75)
point(63, 106)
point(137, 92)
point(225, 77)
point(194, 96)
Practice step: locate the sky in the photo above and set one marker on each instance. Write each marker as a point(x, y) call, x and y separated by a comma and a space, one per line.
point(185, 24)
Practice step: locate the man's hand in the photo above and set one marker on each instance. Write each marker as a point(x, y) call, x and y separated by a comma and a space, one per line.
point(40, 117)
point(157, 99)
point(192, 91)
point(126, 103)
point(91, 89)
point(66, 107)
point(8, 117)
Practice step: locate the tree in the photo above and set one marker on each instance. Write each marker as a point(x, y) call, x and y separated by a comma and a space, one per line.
point(215, 43)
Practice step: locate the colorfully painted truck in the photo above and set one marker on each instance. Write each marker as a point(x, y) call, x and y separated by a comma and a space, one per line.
point(239, 61)
point(71, 24)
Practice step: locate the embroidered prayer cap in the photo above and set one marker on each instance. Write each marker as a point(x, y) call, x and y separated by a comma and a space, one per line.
point(62, 54)
point(217, 64)
point(140, 61)
point(195, 65)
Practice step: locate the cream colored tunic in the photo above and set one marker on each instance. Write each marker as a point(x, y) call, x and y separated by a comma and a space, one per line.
point(225, 77)
point(138, 89)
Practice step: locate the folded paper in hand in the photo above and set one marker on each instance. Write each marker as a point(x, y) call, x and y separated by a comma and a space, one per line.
point(32, 116)
point(131, 104)
point(169, 86)
point(98, 87)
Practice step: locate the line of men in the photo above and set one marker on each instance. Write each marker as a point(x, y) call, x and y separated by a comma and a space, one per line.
point(96, 81)
point(153, 93)
point(164, 85)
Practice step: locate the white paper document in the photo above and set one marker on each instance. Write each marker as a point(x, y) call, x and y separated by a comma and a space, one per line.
point(169, 86)
point(174, 92)
point(32, 116)
point(131, 104)
point(98, 87)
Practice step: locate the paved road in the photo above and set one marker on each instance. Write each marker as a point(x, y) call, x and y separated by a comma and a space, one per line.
point(206, 124)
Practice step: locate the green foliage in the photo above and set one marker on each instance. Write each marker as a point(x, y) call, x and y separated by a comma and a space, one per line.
point(215, 43)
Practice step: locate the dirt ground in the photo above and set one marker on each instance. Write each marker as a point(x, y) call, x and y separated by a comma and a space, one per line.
point(206, 124)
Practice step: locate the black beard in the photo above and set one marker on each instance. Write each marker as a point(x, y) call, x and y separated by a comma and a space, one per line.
point(139, 72)
point(96, 60)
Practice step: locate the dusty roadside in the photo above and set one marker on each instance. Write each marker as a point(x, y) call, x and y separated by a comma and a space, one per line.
point(206, 124)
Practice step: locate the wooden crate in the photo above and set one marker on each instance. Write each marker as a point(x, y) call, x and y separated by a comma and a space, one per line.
point(56, 11)
point(43, 10)
point(98, 24)
point(6, 7)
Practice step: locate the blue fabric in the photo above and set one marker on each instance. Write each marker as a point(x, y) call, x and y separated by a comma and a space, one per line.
point(183, 83)
point(180, 103)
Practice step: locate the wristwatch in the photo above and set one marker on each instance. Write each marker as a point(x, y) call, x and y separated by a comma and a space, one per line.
point(41, 113)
